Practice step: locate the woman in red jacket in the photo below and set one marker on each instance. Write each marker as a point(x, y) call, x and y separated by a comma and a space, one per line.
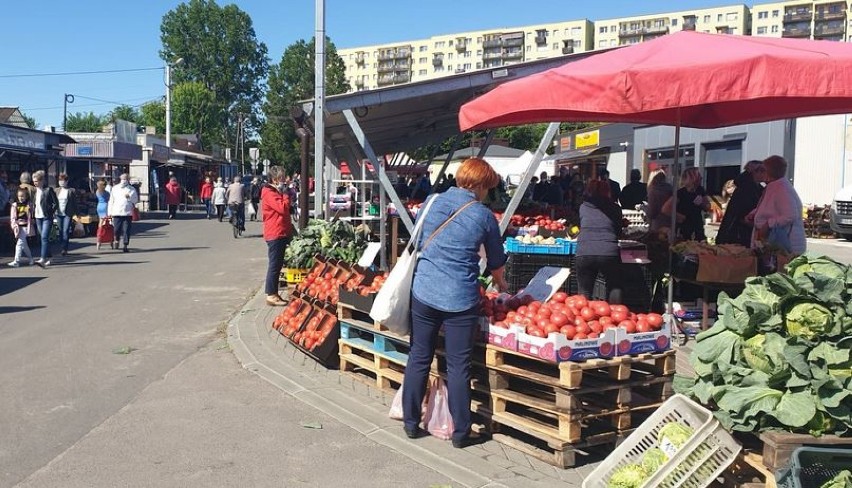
point(172, 196)
point(277, 229)
point(206, 194)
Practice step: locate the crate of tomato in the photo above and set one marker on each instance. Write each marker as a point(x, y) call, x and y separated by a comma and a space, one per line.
point(319, 336)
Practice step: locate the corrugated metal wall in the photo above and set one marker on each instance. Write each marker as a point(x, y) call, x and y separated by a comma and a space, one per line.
point(819, 158)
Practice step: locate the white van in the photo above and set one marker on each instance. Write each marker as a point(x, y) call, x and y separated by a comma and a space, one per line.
point(841, 213)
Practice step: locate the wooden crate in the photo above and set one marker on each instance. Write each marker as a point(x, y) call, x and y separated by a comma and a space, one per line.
point(747, 471)
point(572, 374)
point(778, 447)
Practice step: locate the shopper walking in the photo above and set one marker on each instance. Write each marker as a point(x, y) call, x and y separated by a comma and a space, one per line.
point(597, 243)
point(66, 211)
point(735, 228)
point(634, 193)
point(446, 292)
point(103, 199)
point(692, 202)
point(254, 195)
point(172, 196)
point(26, 183)
point(778, 217)
point(659, 192)
point(206, 195)
point(21, 219)
point(236, 195)
point(45, 205)
point(122, 201)
point(219, 199)
point(277, 230)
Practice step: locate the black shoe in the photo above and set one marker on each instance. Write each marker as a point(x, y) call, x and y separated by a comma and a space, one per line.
point(415, 433)
point(468, 440)
point(63, 253)
point(125, 249)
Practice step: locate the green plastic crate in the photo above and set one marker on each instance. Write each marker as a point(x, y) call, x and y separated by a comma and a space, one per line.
point(810, 467)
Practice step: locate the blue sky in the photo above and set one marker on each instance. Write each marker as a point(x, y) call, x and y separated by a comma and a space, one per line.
point(57, 36)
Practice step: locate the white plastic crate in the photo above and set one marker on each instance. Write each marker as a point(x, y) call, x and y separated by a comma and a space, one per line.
point(707, 453)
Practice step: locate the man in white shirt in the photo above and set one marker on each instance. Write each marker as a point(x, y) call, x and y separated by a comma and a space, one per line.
point(122, 202)
point(778, 216)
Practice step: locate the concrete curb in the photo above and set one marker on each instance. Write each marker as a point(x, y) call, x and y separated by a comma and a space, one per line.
point(260, 351)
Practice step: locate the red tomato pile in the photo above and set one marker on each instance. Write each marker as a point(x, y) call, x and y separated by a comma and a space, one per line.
point(543, 221)
point(289, 321)
point(323, 285)
point(373, 287)
point(316, 330)
point(574, 316)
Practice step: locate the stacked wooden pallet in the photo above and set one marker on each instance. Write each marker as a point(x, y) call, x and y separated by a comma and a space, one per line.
point(551, 411)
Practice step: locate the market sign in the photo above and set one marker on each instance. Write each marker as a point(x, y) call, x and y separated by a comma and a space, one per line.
point(564, 144)
point(587, 139)
point(10, 136)
point(84, 150)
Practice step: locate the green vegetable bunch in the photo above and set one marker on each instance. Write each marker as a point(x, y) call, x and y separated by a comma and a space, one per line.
point(842, 480)
point(335, 239)
point(780, 355)
point(670, 439)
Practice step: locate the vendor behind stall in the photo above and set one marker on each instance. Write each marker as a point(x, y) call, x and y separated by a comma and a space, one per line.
point(597, 243)
point(735, 229)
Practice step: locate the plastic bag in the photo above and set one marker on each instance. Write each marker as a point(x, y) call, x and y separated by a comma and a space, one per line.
point(440, 422)
point(396, 411)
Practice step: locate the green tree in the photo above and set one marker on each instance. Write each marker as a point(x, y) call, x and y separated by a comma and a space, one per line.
point(196, 111)
point(153, 114)
point(126, 112)
point(31, 121)
point(290, 81)
point(85, 122)
point(220, 50)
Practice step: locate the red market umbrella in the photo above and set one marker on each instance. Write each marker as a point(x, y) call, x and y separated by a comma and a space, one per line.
point(686, 78)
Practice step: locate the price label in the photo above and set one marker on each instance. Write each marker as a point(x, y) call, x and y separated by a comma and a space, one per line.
point(370, 254)
point(546, 283)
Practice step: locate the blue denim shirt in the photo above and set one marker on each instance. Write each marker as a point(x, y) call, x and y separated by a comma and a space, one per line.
point(448, 269)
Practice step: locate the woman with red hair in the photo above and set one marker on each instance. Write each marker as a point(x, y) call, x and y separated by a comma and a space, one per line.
point(446, 291)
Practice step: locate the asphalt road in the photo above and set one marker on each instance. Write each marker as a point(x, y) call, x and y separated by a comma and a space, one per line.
point(838, 249)
point(115, 373)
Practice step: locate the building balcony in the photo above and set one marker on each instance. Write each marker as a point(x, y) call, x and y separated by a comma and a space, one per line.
point(402, 78)
point(517, 54)
point(492, 43)
point(386, 80)
point(799, 32)
point(630, 32)
point(359, 58)
point(830, 15)
point(829, 30)
point(798, 16)
point(385, 67)
point(568, 50)
point(402, 53)
point(461, 45)
point(359, 83)
point(513, 41)
point(724, 30)
point(438, 61)
point(539, 39)
point(460, 70)
point(492, 55)
point(656, 29)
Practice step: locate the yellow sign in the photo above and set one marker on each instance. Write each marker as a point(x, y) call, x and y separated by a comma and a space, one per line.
point(587, 139)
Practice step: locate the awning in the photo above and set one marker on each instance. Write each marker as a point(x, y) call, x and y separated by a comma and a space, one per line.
point(577, 153)
point(115, 150)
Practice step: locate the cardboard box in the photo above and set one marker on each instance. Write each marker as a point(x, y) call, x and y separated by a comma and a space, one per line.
point(557, 348)
point(630, 344)
point(725, 269)
point(505, 338)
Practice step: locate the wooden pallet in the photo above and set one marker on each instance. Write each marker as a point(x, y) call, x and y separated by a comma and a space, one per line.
point(350, 314)
point(778, 447)
point(572, 374)
point(747, 471)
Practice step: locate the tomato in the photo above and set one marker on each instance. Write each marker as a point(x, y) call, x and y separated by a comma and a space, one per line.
point(583, 328)
point(502, 325)
point(535, 305)
point(618, 315)
point(544, 312)
point(522, 310)
point(643, 327)
point(559, 297)
point(602, 309)
point(569, 331)
point(606, 322)
point(559, 319)
point(628, 325)
point(580, 301)
point(595, 326)
point(526, 322)
point(535, 332)
point(580, 336)
point(588, 314)
point(511, 316)
point(655, 320)
point(594, 335)
point(550, 327)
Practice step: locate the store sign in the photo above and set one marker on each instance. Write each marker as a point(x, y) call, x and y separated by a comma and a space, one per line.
point(10, 136)
point(564, 144)
point(84, 150)
point(587, 139)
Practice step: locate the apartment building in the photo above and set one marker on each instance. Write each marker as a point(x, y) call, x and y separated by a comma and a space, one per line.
point(370, 67)
point(733, 19)
point(826, 20)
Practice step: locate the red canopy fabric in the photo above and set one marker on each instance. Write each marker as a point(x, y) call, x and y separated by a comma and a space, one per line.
point(699, 80)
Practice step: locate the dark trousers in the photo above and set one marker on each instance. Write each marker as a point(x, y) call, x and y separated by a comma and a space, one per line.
point(172, 210)
point(220, 211)
point(459, 329)
point(276, 262)
point(610, 267)
point(43, 226)
point(207, 206)
point(122, 223)
point(238, 212)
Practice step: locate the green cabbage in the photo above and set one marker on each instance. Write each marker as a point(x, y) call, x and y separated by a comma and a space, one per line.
point(808, 320)
point(820, 265)
point(629, 476)
point(842, 480)
point(755, 355)
point(673, 436)
point(653, 459)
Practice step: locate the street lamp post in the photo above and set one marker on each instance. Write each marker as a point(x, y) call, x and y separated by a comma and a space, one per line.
point(169, 67)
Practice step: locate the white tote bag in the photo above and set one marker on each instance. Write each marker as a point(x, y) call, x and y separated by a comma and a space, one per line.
point(392, 306)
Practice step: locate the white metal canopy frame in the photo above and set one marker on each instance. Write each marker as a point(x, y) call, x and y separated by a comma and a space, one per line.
point(397, 119)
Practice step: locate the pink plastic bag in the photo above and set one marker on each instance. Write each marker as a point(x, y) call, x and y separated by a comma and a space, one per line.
point(439, 422)
point(396, 411)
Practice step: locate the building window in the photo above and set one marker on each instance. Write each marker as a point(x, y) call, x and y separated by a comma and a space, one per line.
point(466, 65)
point(578, 43)
point(478, 65)
point(424, 60)
point(450, 56)
point(602, 43)
point(718, 17)
point(449, 67)
point(576, 31)
point(761, 31)
point(731, 16)
point(479, 52)
point(763, 15)
point(467, 54)
point(706, 19)
point(450, 43)
point(422, 72)
point(674, 22)
point(566, 32)
point(440, 44)
point(439, 69)
point(555, 32)
point(374, 77)
point(602, 29)
point(529, 48)
point(775, 13)
point(613, 28)
point(479, 40)
point(555, 46)
point(659, 23)
point(774, 29)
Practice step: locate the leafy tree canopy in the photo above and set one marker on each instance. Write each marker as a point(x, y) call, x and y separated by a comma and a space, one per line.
point(126, 112)
point(31, 121)
point(85, 122)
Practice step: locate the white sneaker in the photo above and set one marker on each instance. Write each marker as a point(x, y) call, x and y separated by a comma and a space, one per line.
point(46, 262)
point(14, 264)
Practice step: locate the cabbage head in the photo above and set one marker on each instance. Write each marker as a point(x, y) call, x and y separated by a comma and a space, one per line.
point(653, 459)
point(755, 355)
point(673, 436)
point(629, 476)
point(808, 320)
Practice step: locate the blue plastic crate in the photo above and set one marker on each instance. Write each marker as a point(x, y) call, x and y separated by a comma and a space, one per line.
point(562, 247)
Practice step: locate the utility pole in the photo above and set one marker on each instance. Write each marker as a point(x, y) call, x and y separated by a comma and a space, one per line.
point(319, 108)
point(68, 99)
point(169, 67)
